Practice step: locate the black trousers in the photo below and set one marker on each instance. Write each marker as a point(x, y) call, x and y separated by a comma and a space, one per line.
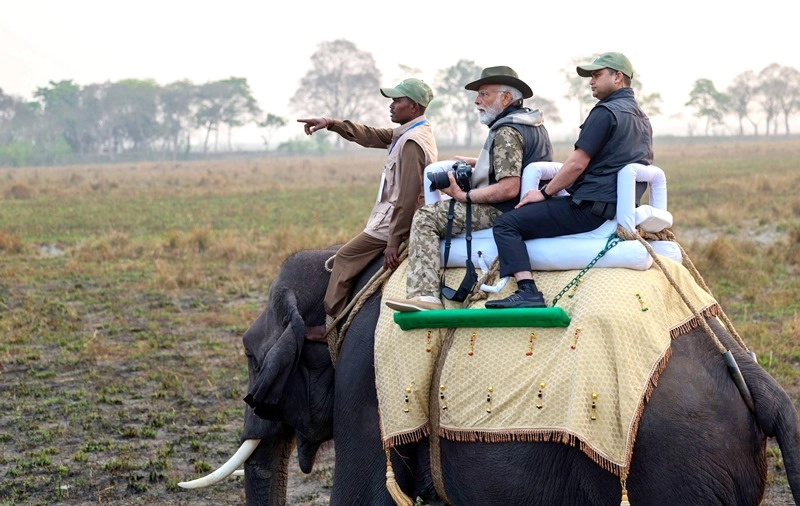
point(549, 218)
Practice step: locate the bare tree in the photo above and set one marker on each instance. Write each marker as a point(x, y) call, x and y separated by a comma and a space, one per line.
point(742, 92)
point(770, 88)
point(548, 108)
point(453, 106)
point(343, 82)
point(789, 96)
point(578, 87)
point(650, 103)
point(271, 123)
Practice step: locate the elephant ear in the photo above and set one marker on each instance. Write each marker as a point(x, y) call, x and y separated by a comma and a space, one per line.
point(279, 363)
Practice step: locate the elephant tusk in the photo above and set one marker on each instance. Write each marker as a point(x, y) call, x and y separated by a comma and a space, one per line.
point(228, 468)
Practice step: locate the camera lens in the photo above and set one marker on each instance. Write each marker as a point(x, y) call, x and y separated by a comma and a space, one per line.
point(438, 180)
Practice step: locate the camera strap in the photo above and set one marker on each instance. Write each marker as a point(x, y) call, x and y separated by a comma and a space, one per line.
point(471, 277)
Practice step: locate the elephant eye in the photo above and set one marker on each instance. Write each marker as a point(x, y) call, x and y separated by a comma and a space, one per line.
point(252, 363)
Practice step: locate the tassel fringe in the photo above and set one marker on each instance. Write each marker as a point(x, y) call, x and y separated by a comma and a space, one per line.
point(400, 498)
point(406, 437)
point(711, 311)
point(624, 482)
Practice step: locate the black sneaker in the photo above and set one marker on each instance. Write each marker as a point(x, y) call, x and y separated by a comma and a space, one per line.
point(520, 298)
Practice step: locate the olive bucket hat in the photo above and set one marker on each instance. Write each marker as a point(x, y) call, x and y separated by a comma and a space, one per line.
point(501, 75)
point(614, 61)
point(412, 88)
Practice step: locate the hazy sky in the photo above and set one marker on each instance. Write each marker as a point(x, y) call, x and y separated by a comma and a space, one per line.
point(270, 42)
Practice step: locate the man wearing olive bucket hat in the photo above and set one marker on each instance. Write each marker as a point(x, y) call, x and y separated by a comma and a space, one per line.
point(517, 137)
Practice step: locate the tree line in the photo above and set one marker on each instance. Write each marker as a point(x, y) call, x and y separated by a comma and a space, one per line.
point(140, 118)
point(66, 121)
point(770, 97)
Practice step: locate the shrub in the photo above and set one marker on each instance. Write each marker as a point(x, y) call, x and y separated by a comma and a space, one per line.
point(10, 243)
point(20, 191)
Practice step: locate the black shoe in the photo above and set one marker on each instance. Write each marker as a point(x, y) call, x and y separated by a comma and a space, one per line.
point(520, 298)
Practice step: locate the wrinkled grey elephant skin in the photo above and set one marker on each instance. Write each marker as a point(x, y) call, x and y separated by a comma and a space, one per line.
point(290, 394)
point(697, 443)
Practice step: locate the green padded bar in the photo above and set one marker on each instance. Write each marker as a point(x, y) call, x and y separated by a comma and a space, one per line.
point(468, 318)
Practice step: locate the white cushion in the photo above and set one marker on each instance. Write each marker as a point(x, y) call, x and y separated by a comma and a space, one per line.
point(651, 219)
point(566, 252)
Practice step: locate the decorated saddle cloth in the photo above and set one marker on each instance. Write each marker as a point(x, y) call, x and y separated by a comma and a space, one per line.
point(584, 385)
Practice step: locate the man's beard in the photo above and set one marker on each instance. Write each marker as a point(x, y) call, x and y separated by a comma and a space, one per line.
point(490, 113)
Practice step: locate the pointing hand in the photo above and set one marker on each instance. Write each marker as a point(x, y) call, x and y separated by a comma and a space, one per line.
point(313, 124)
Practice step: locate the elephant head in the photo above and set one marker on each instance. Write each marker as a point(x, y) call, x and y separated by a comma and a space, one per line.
point(290, 378)
point(290, 391)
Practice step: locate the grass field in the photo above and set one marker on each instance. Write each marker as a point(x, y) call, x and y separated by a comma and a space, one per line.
point(125, 290)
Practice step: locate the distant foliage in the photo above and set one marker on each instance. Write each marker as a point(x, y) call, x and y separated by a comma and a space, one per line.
point(139, 119)
point(67, 122)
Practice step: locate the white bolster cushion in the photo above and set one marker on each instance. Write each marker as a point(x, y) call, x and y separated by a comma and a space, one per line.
point(565, 252)
point(575, 251)
point(562, 253)
point(538, 171)
point(651, 219)
point(669, 249)
point(626, 192)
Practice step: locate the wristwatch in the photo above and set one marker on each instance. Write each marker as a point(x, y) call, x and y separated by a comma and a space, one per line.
point(544, 192)
point(469, 199)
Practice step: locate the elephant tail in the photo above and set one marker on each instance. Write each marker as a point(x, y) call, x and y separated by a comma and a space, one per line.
point(777, 417)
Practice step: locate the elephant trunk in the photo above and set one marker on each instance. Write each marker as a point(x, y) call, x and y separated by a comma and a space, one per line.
point(266, 472)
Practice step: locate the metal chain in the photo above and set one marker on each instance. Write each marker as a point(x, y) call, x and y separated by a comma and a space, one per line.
point(613, 240)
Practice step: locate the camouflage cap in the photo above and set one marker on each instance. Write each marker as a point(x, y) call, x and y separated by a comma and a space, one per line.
point(614, 61)
point(412, 88)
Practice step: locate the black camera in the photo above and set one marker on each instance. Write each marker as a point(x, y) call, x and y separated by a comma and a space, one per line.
point(461, 172)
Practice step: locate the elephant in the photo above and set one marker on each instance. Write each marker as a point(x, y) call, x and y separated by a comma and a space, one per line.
point(698, 442)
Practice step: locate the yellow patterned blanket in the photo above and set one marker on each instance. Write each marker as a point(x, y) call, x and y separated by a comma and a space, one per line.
point(583, 385)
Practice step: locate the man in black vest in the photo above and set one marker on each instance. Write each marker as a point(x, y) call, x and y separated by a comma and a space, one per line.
point(615, 133)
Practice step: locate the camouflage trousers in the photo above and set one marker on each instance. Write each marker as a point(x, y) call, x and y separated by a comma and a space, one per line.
point(428, 228)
